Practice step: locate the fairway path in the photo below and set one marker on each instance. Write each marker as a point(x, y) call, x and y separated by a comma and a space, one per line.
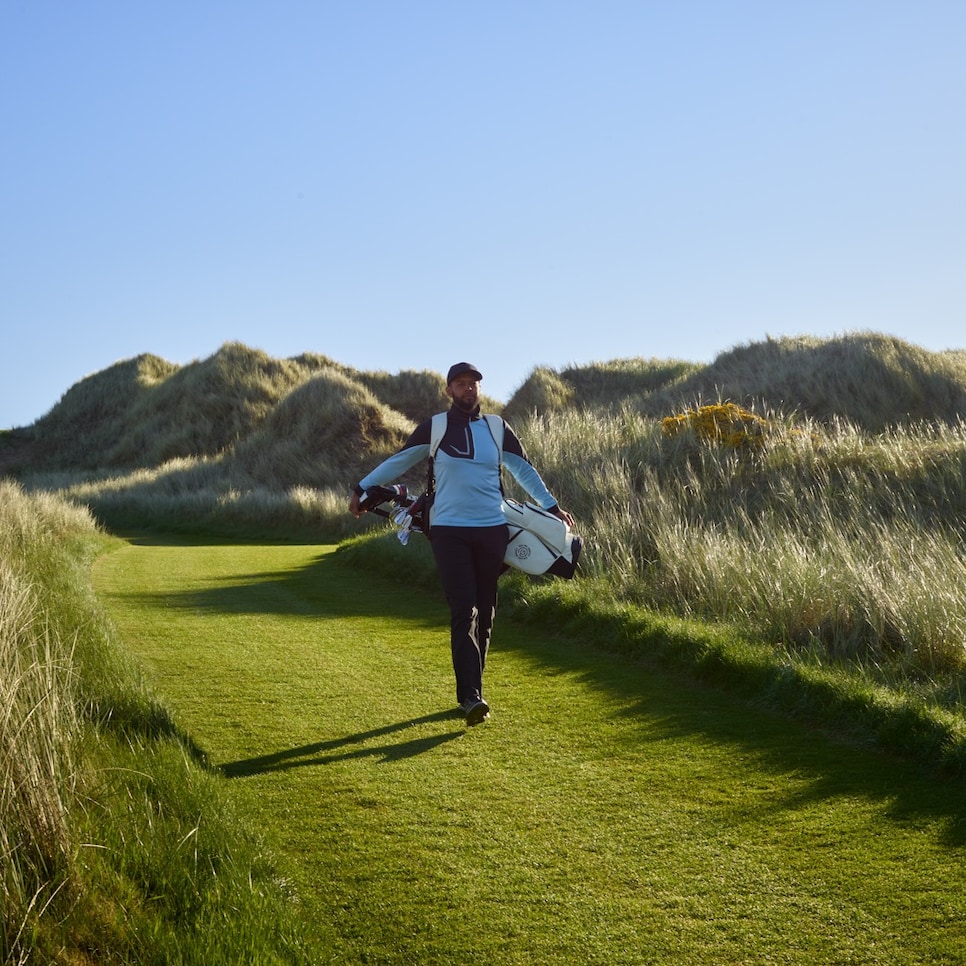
point(605, 813)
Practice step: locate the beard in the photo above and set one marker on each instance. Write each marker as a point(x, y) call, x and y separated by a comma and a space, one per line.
point(466, 405)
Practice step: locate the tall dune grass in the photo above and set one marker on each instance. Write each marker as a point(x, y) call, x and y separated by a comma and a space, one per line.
point(99, 789)
point(200, 496)
point(39, 719)
point(610, 385)
point(38, 729)
point(319, 431)
point(145, 411)
point(827, 537)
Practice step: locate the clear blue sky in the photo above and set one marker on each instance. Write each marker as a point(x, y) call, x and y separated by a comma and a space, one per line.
point(404, 185)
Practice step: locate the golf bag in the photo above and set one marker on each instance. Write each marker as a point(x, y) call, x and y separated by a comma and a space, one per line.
point(539, 542)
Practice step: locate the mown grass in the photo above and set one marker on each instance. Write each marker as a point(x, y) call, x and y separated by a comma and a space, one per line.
point(918, 722)
point(607, 813)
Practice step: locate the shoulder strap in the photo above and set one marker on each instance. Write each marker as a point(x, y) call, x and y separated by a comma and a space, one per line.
point(496, 425)
point(437, 433)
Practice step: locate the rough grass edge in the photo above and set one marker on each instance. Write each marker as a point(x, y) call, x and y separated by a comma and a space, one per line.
point(838, 700)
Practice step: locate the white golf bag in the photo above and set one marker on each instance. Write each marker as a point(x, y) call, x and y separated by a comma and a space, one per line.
point(540, 543)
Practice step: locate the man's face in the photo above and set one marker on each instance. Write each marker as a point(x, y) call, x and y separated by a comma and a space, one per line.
point(465, 392)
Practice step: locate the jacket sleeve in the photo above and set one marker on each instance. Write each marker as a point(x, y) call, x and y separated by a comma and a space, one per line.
point(523, 471)
point(415, 448)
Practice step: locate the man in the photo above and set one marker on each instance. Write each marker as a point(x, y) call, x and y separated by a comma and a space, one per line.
point(468, 530)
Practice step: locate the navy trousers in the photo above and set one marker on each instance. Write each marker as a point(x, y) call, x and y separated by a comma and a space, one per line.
point(469, 561)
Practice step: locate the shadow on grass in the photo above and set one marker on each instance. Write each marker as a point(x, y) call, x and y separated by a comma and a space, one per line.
point(322, 587)
point(657, 706)
point(658, 703)
point(341, 749)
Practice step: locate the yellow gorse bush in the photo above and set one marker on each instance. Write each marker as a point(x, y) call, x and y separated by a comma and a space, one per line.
point(725, 423)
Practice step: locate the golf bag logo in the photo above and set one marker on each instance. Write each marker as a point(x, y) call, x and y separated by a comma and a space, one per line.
point(521, 551)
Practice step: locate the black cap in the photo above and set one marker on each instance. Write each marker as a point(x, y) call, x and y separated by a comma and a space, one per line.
point(459, 369)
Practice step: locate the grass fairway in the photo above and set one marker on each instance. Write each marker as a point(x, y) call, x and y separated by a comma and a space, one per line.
point(604, 814)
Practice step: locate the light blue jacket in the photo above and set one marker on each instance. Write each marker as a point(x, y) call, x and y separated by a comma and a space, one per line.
point(467, 470)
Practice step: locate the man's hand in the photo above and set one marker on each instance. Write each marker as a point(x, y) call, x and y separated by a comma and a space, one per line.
point(354, 508)
point(558, 511)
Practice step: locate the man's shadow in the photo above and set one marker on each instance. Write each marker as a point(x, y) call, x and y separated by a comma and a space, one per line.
point(341, 749)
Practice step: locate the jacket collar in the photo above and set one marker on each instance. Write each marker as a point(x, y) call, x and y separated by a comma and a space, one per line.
point(458, 415)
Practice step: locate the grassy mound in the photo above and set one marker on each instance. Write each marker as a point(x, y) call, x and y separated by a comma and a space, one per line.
point(873, 381)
